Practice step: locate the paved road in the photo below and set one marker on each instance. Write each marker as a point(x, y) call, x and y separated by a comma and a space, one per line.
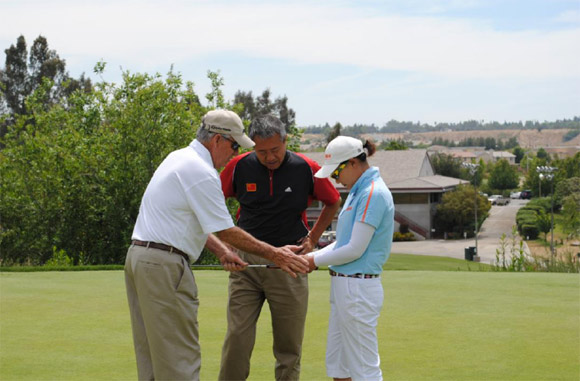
point(500, 221)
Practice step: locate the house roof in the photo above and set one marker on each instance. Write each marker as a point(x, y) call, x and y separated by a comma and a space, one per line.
point(394, 165)
point(463, 154)
point(503, 154)
point(426, 183)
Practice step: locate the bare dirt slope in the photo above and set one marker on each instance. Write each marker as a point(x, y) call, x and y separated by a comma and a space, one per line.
point(526, 138)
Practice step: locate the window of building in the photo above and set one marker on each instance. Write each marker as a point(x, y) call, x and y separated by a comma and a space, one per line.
point(411, 198)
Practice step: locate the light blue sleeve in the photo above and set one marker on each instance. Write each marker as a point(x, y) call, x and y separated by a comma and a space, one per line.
point(372, 206)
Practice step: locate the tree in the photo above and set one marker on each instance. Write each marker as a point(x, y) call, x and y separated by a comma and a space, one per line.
point(511, 143)
point(264, 105)
point(490, 143)
point(334, 132)
point(456, 211)
point(20, 78)
point(571, 214)
point(570, 166)
point(72, 181)
point(542, 154)
point(519, 153)
point(446, 165)
point(544, 223)
point(503, 176)
point(394, 145)
point(246, 99)
point(567, 188)
point(14, 77)
point(24, 74)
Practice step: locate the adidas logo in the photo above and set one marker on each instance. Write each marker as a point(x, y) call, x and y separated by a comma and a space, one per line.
point(288, 190)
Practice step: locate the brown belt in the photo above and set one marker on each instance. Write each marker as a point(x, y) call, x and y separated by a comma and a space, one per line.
point(357, 275)
point(160, 246)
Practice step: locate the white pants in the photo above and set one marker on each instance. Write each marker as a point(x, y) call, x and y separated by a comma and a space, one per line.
point(352, 345)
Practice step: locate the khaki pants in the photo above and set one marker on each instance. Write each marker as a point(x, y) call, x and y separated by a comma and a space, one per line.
point(163, 303)
point(288, 301)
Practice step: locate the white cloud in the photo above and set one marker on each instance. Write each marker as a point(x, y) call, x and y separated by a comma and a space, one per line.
point(149, 34)
point(570, 16)
point(351, 61)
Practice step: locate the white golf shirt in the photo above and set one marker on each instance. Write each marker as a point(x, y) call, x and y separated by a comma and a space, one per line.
point(183, 202)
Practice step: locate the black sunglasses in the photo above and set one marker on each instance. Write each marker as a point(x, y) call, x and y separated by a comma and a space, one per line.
point(235, 145)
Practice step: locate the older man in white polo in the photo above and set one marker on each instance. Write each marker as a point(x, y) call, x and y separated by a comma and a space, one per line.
point(182, 207)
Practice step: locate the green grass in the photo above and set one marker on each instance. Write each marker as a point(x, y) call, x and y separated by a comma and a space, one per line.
point(435, 325)
point(432, 263)
point(31, 269)
point(396, 262)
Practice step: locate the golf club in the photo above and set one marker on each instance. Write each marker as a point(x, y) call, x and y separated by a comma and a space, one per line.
point(268, 266)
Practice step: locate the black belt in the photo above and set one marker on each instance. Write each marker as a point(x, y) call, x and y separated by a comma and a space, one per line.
point(357, 275)
point(160, 246)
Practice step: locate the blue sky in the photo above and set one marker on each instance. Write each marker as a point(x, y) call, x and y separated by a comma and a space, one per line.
point(337, 61)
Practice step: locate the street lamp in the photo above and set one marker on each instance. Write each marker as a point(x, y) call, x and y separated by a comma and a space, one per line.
point(473, 171)
point(548, 174)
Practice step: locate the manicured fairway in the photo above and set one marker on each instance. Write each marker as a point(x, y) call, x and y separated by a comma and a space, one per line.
point(435, 326)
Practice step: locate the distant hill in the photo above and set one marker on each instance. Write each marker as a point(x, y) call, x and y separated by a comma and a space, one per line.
point(527, 138)
point(394, 126)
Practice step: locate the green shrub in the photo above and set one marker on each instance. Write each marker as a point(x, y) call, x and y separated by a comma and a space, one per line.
point(530, 231)
point(544, 203)
point(526, 222)
point(532, 207)
point(403, 236)
point(528, 216)
point(59, 259)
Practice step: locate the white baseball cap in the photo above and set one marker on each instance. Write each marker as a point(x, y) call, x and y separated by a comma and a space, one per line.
point(228, 123)
point(341, 148)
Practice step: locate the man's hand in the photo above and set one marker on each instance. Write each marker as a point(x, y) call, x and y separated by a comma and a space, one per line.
point(311, 265)
point(227, 254)
point(294, 248)
point(290, 262)
point(232, 261)
point(307, 244)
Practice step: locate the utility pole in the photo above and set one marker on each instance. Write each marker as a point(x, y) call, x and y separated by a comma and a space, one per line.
point(473, 171)
point(548, 174)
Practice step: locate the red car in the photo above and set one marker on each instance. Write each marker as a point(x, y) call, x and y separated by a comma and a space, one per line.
point(326, 239)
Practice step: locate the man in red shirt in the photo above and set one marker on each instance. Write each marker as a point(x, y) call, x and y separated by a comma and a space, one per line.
point(274, 187)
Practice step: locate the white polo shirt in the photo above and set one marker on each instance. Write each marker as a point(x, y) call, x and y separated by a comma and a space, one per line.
point(183, 202)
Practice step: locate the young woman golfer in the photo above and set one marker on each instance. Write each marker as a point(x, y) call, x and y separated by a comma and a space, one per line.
point(363, 243)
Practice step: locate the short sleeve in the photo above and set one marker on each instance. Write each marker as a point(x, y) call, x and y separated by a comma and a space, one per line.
point(207, 201)
point(371, 207)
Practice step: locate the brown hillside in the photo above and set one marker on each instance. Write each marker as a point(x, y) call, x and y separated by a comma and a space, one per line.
point(533, 139)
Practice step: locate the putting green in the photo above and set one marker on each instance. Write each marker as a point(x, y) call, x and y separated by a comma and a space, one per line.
point(435, 326)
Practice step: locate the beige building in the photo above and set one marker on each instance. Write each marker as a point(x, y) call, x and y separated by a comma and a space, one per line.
point(474, 154)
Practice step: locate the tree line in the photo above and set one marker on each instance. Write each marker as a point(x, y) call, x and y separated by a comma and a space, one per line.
point(487, 143)
point(395, 126)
